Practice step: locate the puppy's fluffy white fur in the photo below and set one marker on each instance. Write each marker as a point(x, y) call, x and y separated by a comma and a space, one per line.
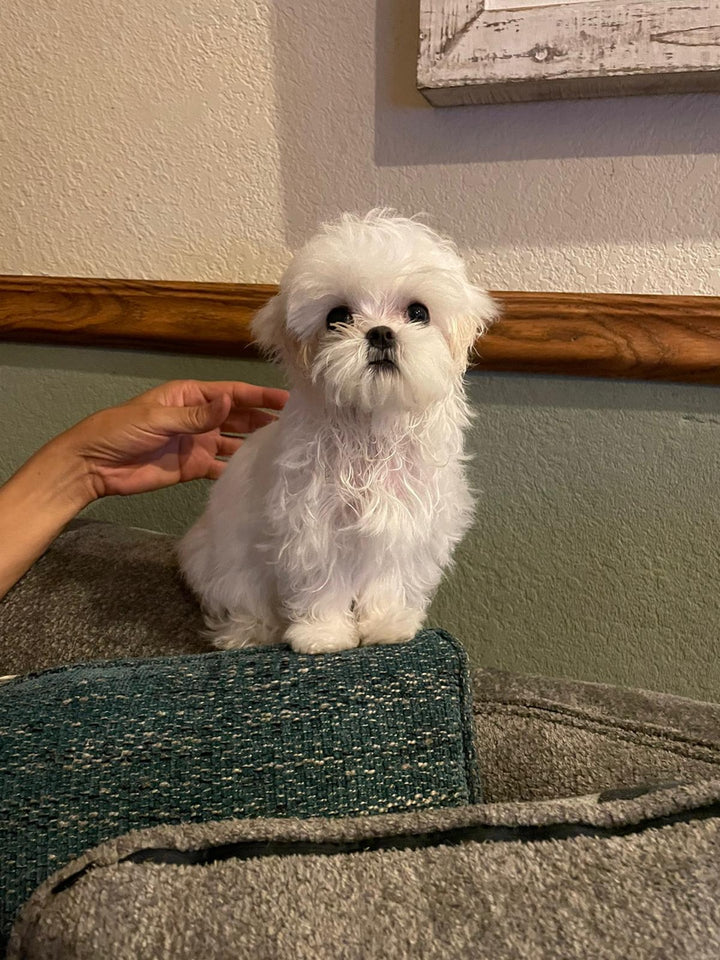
point(331, 527)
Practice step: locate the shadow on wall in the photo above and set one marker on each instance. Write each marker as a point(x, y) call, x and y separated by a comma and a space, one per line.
point(687, 405)
point(354, 133)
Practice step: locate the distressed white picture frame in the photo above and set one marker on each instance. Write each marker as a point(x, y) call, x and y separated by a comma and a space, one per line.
point(494, 51)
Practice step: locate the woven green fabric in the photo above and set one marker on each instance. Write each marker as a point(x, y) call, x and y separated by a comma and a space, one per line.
point(90, 751)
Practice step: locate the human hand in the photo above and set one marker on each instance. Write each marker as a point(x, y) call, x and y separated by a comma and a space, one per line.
point(170, 434)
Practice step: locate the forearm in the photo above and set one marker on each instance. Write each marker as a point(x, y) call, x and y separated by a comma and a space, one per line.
point(35, 504)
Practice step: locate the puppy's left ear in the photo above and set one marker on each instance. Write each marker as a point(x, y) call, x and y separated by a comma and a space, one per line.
point(479, 313)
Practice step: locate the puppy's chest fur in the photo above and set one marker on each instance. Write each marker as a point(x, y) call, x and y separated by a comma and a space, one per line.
point(377, 468)
point(360, 483)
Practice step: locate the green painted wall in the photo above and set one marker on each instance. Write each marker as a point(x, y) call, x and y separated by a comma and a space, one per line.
point(595, 551)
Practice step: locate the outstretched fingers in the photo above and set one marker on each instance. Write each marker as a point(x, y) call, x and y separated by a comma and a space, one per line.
point(246, 421)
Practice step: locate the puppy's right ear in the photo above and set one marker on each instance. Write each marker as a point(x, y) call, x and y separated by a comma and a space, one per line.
point(268, 327)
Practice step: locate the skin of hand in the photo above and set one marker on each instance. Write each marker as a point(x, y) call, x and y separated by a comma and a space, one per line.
point(170, 434)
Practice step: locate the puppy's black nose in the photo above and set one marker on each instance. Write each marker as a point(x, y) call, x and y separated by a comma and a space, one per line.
point(382, 338)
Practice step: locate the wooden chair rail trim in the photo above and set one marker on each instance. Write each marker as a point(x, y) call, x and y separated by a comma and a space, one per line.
point(597, 335)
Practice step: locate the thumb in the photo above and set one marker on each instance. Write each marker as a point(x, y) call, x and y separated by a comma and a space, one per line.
point(198, 419)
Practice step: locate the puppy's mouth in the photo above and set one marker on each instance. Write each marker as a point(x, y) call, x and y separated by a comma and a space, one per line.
point(383, 364)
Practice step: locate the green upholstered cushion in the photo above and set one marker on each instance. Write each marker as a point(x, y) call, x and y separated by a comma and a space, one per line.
point(90, 751)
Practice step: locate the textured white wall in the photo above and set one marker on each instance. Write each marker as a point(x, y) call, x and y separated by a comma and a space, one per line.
point(205, 139)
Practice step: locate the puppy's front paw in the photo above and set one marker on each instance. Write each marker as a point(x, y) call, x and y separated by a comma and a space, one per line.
point(322, 636)
point(393, 626)
point(241, 630)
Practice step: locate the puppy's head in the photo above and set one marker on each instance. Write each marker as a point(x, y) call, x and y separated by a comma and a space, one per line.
point(377, 312)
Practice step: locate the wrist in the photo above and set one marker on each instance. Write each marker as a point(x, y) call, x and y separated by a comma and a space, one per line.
point(58, 478)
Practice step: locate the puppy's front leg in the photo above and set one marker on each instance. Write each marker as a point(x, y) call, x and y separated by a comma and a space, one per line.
point(314, 583)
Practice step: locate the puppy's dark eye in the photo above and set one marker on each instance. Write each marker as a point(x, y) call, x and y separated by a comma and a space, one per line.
point(418, 313)
point(337, 316)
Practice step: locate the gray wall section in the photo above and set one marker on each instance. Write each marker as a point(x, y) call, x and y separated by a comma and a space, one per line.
point(595, 550)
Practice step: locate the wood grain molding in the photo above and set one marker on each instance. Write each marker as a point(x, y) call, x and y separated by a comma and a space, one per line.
point(209, 318)
point(596, 335)
point(606, 335)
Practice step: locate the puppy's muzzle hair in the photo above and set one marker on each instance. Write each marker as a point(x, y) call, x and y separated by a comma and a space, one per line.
point(381, 348)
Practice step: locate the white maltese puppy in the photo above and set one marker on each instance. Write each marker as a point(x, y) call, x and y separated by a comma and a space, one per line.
point(331, 528)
